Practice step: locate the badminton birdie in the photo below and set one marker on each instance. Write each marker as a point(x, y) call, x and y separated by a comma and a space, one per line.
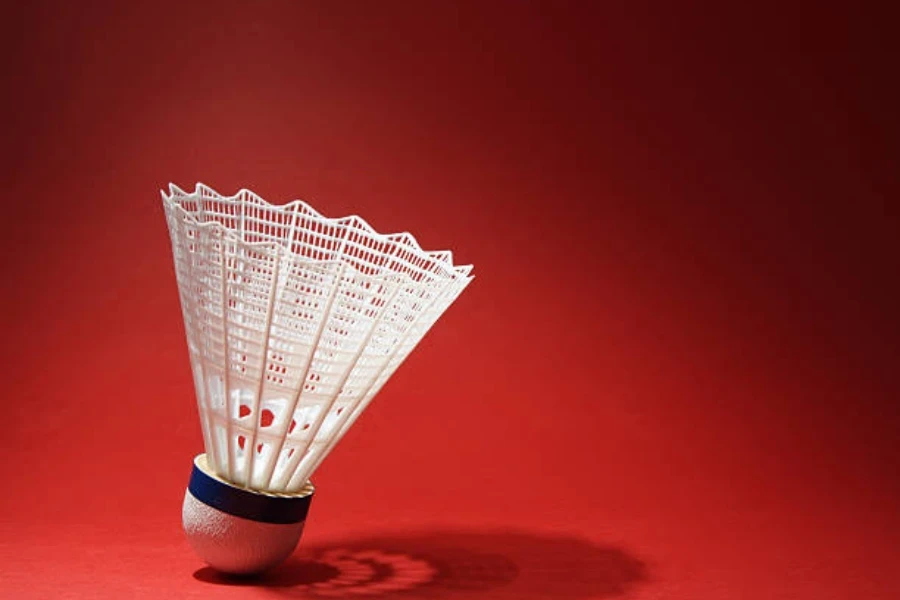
point(294, 322)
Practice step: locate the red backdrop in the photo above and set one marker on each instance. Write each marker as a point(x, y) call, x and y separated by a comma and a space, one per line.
point(674, 375)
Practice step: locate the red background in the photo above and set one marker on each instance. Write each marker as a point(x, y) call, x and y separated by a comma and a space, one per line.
point(674, 376)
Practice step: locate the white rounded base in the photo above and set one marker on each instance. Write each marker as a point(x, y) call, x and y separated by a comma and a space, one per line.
point(241, 531)
point(233, 544)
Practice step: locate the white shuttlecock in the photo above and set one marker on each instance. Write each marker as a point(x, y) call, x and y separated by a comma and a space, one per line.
point(294, 322)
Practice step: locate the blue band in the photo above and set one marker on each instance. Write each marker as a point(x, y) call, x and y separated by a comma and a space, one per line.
point(247, 504)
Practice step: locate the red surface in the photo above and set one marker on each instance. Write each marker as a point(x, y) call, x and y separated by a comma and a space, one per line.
point(675, 375)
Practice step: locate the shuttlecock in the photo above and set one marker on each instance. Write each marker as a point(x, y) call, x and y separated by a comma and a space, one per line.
point(294, 322)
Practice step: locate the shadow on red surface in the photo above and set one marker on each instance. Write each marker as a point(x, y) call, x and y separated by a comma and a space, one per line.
point(452, 564)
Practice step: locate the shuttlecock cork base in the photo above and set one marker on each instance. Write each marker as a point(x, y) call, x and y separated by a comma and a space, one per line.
point(240, 531)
